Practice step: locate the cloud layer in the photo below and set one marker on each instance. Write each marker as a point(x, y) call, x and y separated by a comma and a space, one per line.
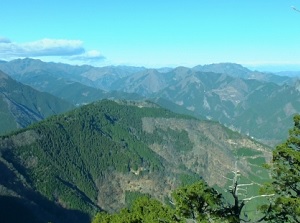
point(69, 49)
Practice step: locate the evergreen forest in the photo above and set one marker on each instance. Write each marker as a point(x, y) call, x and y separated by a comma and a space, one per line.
point(133, 161)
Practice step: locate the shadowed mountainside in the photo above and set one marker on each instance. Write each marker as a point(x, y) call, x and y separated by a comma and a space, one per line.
point(21, 105)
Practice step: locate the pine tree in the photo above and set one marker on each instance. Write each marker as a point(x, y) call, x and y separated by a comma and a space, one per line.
point(285, 167)
point(198, 202)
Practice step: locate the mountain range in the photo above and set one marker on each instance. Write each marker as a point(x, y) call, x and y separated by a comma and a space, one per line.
point(258, 104)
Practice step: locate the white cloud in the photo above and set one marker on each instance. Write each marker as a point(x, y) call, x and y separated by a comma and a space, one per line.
point(44, 47)
point(90, 56)
point(53, 47)
point(68, 49)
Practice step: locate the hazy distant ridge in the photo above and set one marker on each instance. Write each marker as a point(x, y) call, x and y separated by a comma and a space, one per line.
point(255, 103)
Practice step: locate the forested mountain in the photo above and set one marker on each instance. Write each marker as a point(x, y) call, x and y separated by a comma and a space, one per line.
point(262, 110)
point(103, 155)
point(258, 104)
point(200, 203)
point(21, 105)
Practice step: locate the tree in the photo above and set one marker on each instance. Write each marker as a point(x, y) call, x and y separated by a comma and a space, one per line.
point(193, 203)
point(285, 168)
point(199, 202)
point(234, 210)
point(144, 209)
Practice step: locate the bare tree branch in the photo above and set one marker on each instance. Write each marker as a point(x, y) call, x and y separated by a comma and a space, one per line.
point(263, 195)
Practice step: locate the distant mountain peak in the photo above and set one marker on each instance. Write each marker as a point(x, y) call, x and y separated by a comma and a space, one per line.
point(182, 70)
point(232, 69)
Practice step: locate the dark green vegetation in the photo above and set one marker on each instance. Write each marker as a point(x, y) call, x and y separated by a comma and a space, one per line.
point(21, 202)
point(228, 93)
point(193, 203)
point(21, 105)
point(197, 202)
point(285, 204)
point(103, 155)
point(200, 203)
point(144, 209)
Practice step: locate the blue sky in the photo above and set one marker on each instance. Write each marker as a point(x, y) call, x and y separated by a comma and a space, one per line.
point(263, 34)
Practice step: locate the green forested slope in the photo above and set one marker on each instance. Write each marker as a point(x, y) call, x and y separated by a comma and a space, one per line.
point(21, 105)
point(101, 156)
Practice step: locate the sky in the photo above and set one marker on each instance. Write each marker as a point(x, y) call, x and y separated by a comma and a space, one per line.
point(259, 34)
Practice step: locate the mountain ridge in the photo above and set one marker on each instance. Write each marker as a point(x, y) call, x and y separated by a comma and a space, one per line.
point(227, 92)
point(22, 105)
point(99, 155)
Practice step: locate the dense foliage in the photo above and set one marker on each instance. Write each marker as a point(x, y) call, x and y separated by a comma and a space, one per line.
point(195, 202)
point(198, 202)
point(285, 204)
point(144, 209)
